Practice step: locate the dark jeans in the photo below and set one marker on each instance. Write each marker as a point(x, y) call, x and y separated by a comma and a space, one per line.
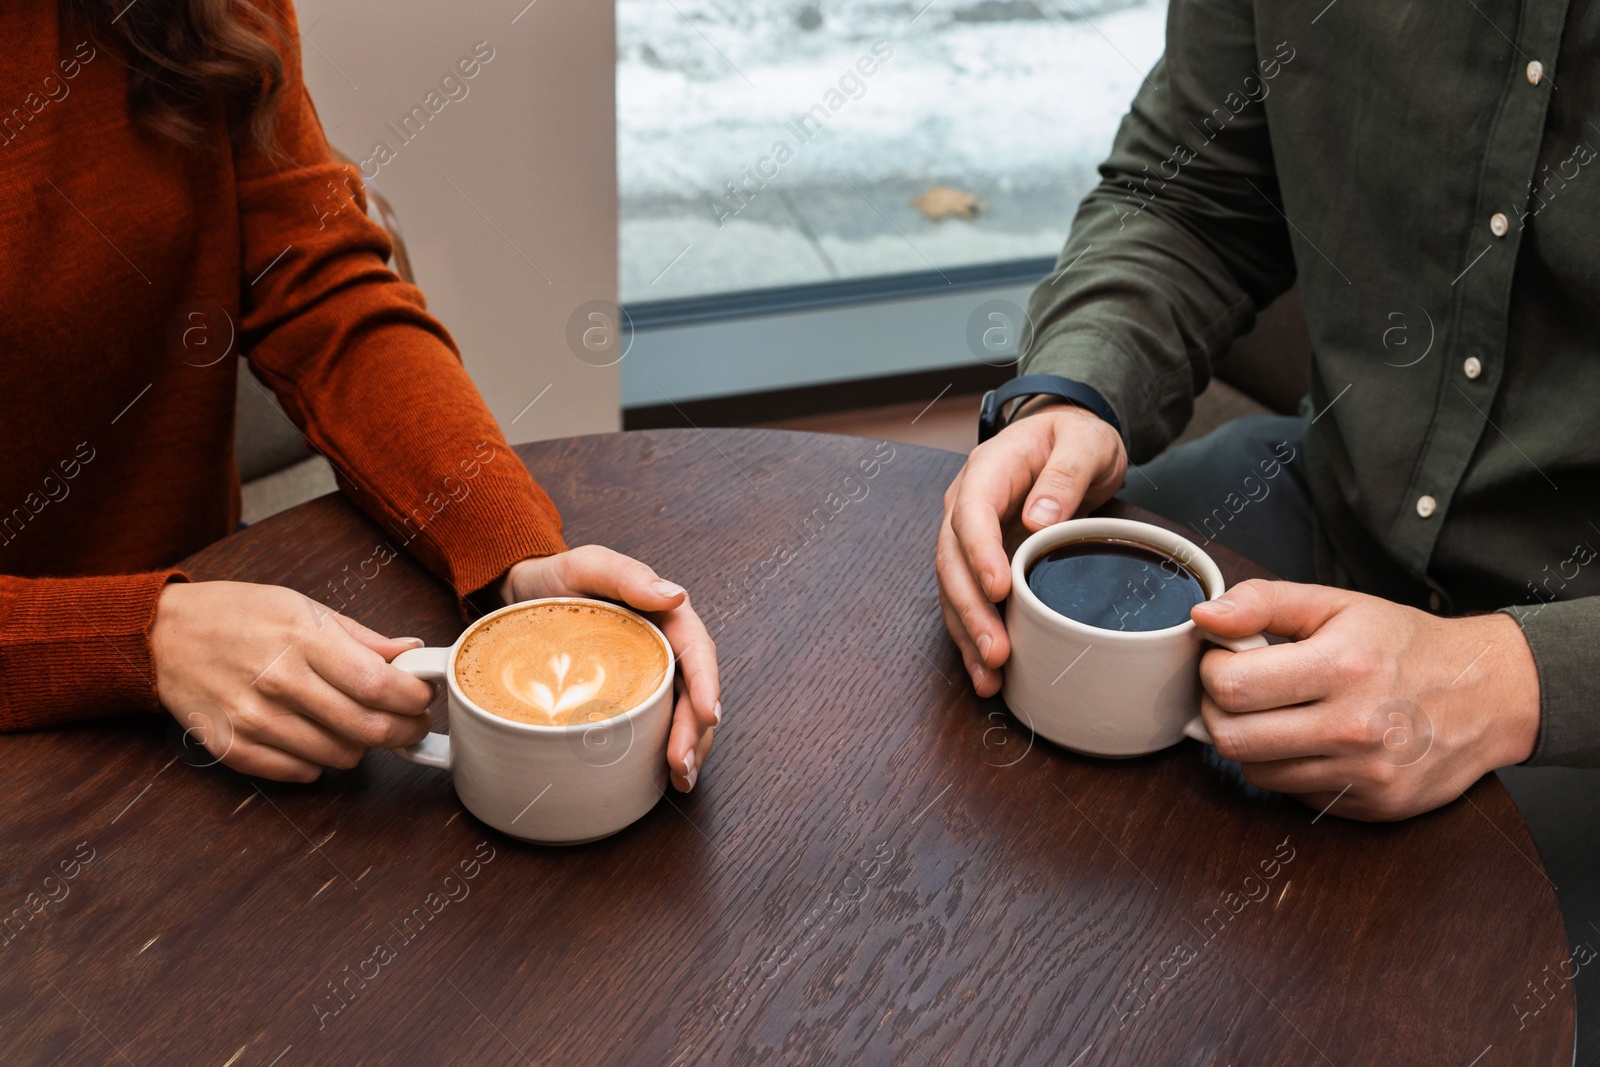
point(1241, 485)
point(1219, 489)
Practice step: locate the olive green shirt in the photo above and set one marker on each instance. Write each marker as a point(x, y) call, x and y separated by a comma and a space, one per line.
point(1428, 173)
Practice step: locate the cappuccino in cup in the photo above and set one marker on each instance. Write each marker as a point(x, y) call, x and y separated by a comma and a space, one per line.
point(560, 663)
point(559, 713)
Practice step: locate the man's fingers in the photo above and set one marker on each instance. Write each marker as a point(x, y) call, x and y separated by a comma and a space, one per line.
point(1263, 736)
point(1335, 787)
point(992, 483)
point(982, 668)
point(1337, 802)
point(1060, 486)
point(1288, 609)
point(985, 679)
point(1317, 775)
point(973, 611)
point(1260, 679)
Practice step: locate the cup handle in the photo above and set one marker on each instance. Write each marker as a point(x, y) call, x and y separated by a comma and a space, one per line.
point(1195, 728)
point(432, 665)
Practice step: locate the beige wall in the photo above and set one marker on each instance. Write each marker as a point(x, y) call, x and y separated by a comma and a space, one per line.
point(532, 146)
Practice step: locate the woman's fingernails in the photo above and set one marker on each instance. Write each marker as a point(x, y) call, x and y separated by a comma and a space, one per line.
point(984, 643)
point(666, 589)
point(419, 642)
point(1222, 605)
point(1044, 511)
point(690, 772)
point(988, 585)
point(716, 713)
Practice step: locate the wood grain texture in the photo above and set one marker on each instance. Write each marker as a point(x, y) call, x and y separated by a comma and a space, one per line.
point(876, 867)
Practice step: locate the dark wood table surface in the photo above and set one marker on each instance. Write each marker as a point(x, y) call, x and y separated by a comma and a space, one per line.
point(876, 867)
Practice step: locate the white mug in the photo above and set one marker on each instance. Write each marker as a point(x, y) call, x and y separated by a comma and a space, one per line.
point(554, 785)
point(1107, 692)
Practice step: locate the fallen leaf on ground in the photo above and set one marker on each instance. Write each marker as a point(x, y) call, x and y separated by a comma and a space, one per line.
point(942, 201)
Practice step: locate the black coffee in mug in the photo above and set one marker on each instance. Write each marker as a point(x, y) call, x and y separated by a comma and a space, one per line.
point(1115, 584)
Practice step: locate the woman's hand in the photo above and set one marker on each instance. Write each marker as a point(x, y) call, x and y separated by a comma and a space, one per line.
point(278, 686)
point(599, 572)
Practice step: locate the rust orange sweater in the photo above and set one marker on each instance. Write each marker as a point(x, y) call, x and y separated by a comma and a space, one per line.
point(125, 262)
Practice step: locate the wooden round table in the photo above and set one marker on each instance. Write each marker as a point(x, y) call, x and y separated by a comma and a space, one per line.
point(876, 867)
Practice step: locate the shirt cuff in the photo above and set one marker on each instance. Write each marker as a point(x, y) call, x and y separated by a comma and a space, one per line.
point(1565, 636)
point(1147, 410)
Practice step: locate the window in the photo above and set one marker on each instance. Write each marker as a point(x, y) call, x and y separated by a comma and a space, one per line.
point(771, 143)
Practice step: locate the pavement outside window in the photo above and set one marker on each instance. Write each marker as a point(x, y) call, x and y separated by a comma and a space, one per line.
point(778, 142)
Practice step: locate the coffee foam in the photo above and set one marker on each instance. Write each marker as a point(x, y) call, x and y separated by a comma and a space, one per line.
point(560, 664)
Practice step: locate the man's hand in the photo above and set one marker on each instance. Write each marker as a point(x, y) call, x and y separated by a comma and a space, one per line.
point(1046, 466)
point(593, 571)
point(1395, 709)
point(278, 686)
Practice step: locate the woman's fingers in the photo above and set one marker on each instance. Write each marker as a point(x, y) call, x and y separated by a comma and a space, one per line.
point(364, 676)
point(597, 571)
point(300, 689)
point(274, 684)
point(264, 761)
point(697, 662)
point(387, 647)
point(294, 732)
point(594, 570)
point(688, 746)
point(702, 748)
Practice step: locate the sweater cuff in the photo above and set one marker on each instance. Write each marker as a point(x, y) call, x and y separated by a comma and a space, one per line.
point(473, 529)
point(75, 648)
point(1565, 637)
point(511, 533)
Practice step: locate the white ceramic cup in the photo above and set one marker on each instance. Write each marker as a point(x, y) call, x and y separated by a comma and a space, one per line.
point(554, 785)
point(1107, 692)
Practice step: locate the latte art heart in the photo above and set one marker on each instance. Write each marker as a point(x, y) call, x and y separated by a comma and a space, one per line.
point(560, 694)
point(558, 664)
